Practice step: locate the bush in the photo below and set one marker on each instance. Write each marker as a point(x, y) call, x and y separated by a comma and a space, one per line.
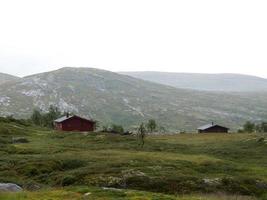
point(72, 164)
point(116, 129)
point(37, 168)
point(9, 119)
point(68, 180)
point(243, 186)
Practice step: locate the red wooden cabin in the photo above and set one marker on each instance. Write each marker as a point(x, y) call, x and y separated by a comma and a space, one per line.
point(74, 123)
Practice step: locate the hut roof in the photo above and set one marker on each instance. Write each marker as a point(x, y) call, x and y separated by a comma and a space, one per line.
point(64, 118)
point(61, 119)
point(207, 126)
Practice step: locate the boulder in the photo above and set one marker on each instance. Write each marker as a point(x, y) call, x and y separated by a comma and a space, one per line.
point(9, 187)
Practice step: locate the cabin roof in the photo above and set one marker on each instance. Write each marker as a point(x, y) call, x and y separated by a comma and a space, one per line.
point(64, 118)
point(207, 126)
point(61, 119)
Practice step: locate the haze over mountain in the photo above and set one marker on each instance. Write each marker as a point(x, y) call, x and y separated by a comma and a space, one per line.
point(208, 82)
point(7, 78)
point(115, 98)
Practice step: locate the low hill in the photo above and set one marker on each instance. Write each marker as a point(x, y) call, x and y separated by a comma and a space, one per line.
point(208, 82)
point(7, 78)
point(114, 98)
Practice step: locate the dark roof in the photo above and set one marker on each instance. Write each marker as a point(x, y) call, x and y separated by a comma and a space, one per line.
point(64, 118)
point(207, 126)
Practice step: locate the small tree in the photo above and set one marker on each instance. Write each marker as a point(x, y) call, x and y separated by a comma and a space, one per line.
point(249, 127)
point(52, 114)
point(45, 119)
point(141, 134)
point(264, 127)
point(36, 117)
point(151, 125)
point(261, 128)
point(116, 129)
point(162, 129)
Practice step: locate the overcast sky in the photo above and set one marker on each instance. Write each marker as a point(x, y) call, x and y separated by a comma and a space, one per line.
point(208, 36)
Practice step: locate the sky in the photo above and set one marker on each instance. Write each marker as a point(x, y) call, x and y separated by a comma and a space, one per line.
point(207, 36)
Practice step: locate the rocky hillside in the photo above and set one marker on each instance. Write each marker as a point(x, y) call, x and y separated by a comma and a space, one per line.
point(207, 82)
point(114, 98)
point(7, 78)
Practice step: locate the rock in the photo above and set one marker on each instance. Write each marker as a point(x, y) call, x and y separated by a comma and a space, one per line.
point(112, 189)
point(87, 194)
point(20, 140)
point(212, 182)
point(261, 185)
point(9, 187)
point(132, 173)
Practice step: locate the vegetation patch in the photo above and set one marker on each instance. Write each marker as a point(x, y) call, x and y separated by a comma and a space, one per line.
point(167, 165)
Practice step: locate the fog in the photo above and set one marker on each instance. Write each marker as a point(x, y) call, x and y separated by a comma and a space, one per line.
point(144, 35)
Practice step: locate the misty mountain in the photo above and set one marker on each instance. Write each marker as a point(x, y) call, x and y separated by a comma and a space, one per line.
point(7, 78)
point(207, 82)
point(115, 98)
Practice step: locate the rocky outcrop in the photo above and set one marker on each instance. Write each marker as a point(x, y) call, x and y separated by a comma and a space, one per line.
point(9, 187)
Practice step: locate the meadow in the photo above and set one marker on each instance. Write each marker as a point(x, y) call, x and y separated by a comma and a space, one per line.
point(56, 165)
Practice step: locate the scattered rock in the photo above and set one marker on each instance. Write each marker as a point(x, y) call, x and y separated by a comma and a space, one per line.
point(20, 140)
point(261, 185)
point(87, 194)
point(132, 173)
point(9, 187)
point(112, 189)
point(212, 182)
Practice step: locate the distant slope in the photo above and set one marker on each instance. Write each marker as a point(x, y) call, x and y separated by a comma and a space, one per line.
point(114, 98)
point(208, 82)
point(6, 78)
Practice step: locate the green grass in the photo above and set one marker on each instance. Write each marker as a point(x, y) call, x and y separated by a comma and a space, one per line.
point(86, 193)
point(172, 165)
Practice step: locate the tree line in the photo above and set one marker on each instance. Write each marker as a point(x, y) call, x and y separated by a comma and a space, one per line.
point(46, 119)
point(251, 127)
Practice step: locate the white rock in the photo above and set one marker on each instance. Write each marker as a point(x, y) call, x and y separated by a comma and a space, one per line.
point(9, 187)
point(87, 194)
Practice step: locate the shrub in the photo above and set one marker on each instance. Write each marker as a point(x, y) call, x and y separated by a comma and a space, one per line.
point(68, 180)
point(72, 164)
point(116, 129)
point(243, 186)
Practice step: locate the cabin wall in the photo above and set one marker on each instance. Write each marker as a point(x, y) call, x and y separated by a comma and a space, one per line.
point(58, 126)
point(77, 124)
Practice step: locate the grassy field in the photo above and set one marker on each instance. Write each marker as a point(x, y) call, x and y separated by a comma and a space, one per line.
point(55, 165)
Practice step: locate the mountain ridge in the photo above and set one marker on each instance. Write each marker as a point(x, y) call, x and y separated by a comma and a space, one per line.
point(4, 78)
point(207, 82)
point(110, 97)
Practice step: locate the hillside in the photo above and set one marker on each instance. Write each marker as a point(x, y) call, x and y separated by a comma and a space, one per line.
point(55, 165)
point(7, 78)
point(114, 98)
point(208, 82)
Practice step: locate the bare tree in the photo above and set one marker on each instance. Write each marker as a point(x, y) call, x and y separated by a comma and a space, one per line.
point(141, 134)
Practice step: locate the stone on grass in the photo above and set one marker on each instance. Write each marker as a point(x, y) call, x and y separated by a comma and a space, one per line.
point(9, 187)
point(19, 140)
